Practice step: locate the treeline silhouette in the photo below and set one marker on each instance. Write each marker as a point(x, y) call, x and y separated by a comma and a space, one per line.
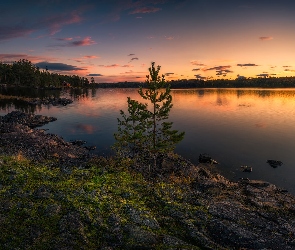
point(24, 73)
point(272, 82)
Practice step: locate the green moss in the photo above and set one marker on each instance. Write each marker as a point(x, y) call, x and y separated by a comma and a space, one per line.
point(42, 207)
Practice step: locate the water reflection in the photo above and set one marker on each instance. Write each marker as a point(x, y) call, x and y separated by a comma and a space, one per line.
point(240, 127)
point(84, 128)
point(76, 93)
point(201, 93)
point(284, 93)
point(29, 92)
point(8, 105)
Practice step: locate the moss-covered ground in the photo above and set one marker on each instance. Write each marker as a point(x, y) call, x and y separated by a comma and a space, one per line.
point(105, 204)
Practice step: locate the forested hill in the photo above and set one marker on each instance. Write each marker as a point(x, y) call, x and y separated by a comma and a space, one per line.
point(24, 73)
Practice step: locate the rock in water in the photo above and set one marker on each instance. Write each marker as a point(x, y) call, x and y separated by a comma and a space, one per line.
point(205, 158)
point(246, 168)
point(274, 163)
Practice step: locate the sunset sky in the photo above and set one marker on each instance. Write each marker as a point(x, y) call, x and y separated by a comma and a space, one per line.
point(116, 40)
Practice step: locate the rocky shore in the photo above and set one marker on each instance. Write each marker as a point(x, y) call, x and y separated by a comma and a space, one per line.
point(19, 136)
point(54, 101)
point(50, 100)
point(77, 201)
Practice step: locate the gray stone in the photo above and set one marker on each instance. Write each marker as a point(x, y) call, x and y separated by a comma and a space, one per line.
point(52, 209)
point(143, 218)
point(140, 237)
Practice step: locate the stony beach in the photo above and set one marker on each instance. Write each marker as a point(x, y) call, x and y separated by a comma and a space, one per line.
point(185, 206)
point(20, 136)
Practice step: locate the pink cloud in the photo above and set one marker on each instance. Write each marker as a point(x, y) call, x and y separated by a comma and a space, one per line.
point(128, 72)
point(14, 32)
point(52, 23)
point(85, 42)
point(115, 65)
point(134, 7)
point(196, 63)
point(127, 66)
point(265, 38)
point(110, 66)
point(133, 58)
point(16, 57)
point(84, 60)
point(90, 57)
point(132, 72)
point(247, 64)
point(56, 22)
point(144, 10)
point(169, 37)
point(65, 39)
point(218, 68)
point(12, 56)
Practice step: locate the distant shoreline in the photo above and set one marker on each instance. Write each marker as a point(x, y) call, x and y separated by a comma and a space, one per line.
point(272, 82)
point(281, 82)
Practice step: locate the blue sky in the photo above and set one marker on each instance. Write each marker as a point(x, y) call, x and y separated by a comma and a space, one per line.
point(117, 40)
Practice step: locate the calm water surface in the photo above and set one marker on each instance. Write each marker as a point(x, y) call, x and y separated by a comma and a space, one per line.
point(235, 126)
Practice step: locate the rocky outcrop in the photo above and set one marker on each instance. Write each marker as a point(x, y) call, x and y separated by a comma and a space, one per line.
point(30, 120)
point(248, 214)
point(18, 136)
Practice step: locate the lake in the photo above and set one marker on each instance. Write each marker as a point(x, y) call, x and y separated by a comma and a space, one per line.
point(234, 126)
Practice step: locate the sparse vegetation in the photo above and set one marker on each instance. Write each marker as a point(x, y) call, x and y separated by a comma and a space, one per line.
point(45, 208)
point(106, 204)
point(146, 132)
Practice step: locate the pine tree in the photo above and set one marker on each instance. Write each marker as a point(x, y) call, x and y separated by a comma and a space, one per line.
point(131, 134)
point(145, 132)
point(164, 139)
